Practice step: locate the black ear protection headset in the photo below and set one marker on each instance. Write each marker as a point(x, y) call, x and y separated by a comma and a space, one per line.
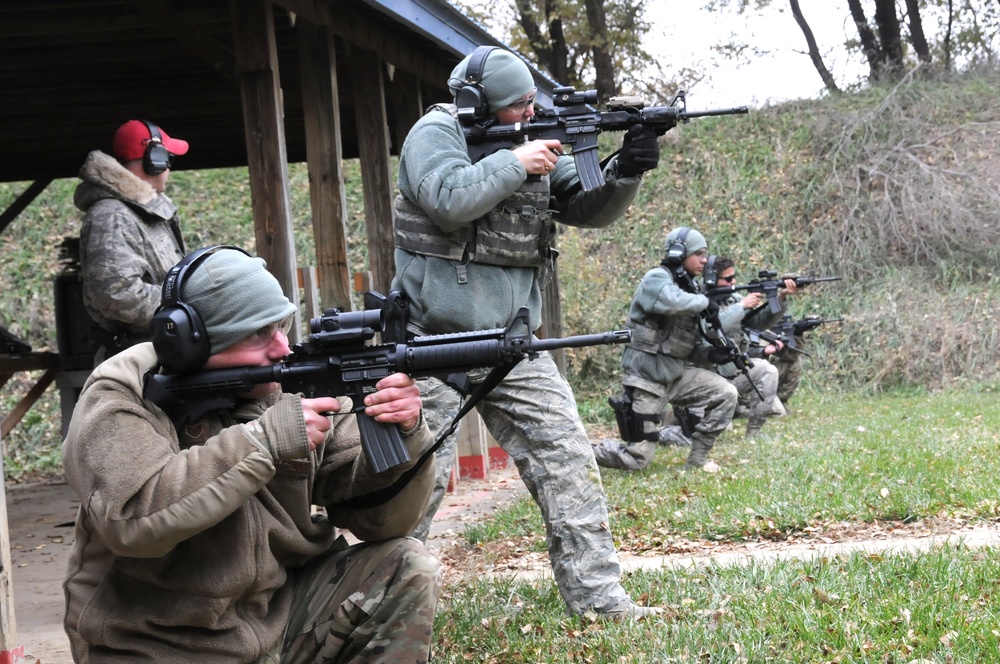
point(471, 98)
point(156, 159)
point(677, 249)
point(708, 275)
point(179, 335)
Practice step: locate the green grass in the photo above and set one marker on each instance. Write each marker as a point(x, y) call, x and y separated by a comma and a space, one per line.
point(836, 460)
point(941, 606)
point(902, 456)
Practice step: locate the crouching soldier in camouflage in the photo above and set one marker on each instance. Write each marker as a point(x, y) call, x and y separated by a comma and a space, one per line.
point(665, 319)
point(748, 312)
point(197, 541)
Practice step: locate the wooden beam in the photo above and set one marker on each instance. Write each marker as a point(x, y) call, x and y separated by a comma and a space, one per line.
point(8, 623)
point(189, 35)
point(389, 45)
point(376, 173)
point(324, 157)
point(22, 201)
point(406, 101)
point(263, 123)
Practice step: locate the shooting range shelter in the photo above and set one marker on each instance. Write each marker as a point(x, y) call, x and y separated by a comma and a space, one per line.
point(248, 83)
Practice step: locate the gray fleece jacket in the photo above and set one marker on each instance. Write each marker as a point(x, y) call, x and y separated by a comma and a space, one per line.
point(436, 174)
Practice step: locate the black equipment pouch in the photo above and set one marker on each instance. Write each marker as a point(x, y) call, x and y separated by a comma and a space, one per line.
point(629, 422)
point(687, 420)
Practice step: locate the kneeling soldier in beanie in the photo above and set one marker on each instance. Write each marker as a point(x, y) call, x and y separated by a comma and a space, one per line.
point(202, 544)
point(659, 362)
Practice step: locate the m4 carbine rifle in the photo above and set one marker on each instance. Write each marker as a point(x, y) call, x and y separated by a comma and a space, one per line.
point(793, 329)
point(768, 283)
point(574, 122)
point(337, 361)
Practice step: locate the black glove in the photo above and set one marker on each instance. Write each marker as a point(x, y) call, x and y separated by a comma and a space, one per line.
point(711, 311)
point(640, 151)
point(719, 356)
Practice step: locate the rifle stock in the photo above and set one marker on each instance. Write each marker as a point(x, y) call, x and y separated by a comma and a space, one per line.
point(336, 361)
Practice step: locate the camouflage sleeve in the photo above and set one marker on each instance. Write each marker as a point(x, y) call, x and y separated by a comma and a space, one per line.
point(116, 275)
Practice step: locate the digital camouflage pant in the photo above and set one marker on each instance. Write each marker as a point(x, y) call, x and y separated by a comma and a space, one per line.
point(532, 415)
point(371, 602)
point(696, 389)
point(764, 375)
point(789, 366)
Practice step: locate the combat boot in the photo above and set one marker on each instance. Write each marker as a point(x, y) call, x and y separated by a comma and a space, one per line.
point(754, 425)
point(701, 445)
point(673, 435)
point(627, 609)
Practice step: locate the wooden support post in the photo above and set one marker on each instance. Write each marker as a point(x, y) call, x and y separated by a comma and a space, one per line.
point(8, 623)
point(367, 79)
point(324, 154)
point(263, 123)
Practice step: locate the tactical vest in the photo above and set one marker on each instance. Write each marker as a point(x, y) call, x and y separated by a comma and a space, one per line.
point(675, 336)
point(517, 232)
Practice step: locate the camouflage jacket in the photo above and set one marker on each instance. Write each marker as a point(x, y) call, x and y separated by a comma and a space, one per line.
point(129, 240)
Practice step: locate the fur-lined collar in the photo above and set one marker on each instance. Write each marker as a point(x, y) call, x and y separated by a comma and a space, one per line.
point(105, 172)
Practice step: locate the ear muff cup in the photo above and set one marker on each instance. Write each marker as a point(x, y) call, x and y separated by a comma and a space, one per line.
point(179, 336)
point(156, 158)
point(677, 249)
point(471, 98)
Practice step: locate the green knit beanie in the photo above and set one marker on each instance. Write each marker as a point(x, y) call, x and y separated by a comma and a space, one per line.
point(235, 296)
point(505, 78)
point(693, 241)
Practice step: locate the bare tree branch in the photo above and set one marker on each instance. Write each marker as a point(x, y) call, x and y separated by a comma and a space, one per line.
point(814, 55)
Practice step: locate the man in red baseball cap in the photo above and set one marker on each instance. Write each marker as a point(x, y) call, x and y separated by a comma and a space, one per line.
point(133, 138)
point(130, 236)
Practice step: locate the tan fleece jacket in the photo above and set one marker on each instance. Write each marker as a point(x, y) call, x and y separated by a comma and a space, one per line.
point(183, 548)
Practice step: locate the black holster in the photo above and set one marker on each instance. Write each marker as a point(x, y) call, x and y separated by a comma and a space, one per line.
point(630, 423)
point(687, 420)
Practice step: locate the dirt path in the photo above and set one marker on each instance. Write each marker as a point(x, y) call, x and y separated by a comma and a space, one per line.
point(40, 518)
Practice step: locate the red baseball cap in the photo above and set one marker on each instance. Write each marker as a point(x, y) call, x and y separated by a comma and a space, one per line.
point(132, 137)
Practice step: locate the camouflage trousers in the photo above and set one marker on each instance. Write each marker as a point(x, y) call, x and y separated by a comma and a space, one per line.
point(532, 415)
point(371, 602)
point(697, 389)
point(789, 366)
point(764, 375)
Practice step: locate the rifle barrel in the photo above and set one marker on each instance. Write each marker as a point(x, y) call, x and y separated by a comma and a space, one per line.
point(737, 110)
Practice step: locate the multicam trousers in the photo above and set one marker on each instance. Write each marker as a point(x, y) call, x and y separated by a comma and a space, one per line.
point(532, 414)
point(371, 602)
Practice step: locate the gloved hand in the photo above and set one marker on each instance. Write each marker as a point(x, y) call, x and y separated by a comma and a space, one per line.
point(719, 356)
point(640, 151)
point(711, 311)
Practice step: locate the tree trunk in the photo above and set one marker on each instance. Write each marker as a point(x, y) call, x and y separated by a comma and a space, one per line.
point(887, 23)
point(814, 54)
point(604, 67)
point(869, 43)
point(917, 37)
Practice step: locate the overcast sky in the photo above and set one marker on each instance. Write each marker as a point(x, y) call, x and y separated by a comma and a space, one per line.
point(683, 34)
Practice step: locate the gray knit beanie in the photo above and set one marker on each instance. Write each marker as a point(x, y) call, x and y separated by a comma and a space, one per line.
point(505, 78)
point(235, 296)
point(693, 241)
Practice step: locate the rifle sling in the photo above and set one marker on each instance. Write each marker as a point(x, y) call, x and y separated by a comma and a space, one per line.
point(384, 495)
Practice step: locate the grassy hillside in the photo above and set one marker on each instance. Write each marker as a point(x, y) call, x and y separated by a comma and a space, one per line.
point(895, 189)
